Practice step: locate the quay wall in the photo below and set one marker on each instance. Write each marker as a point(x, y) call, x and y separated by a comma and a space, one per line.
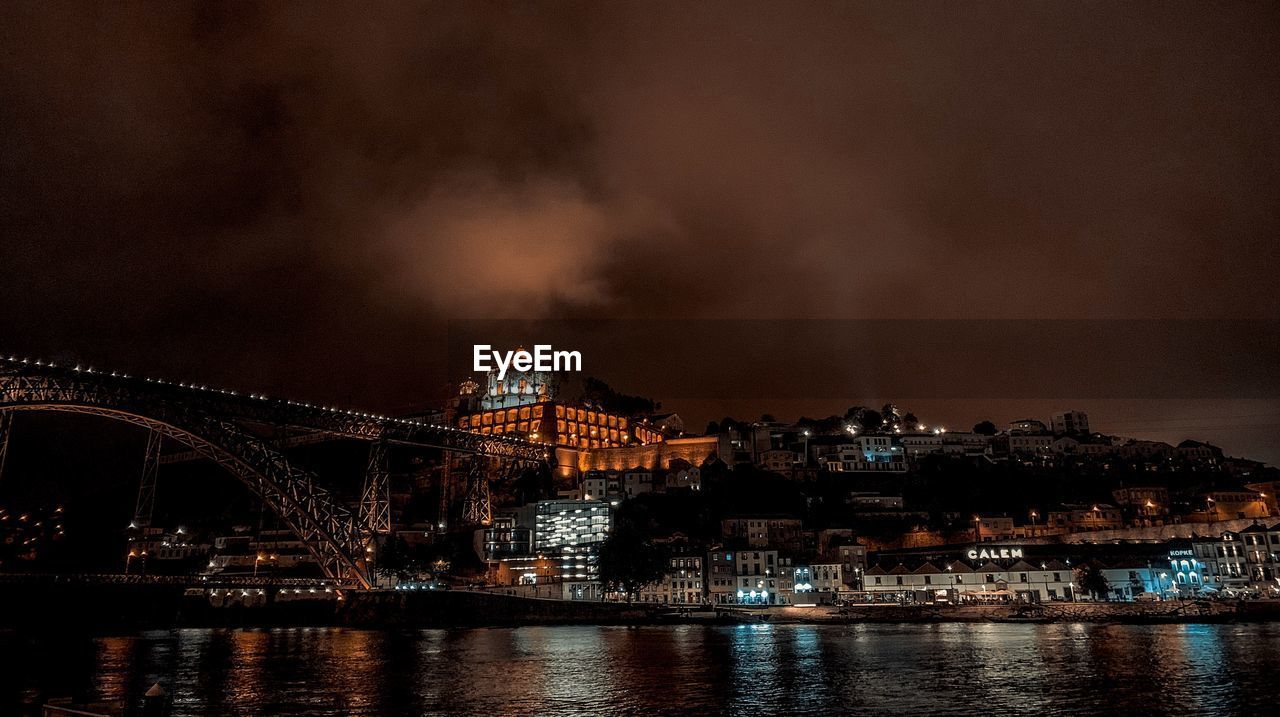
point(109, 607)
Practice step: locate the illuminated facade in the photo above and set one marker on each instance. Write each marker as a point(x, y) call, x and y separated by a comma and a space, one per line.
point(568, 533)
point(518, 388)
point(562, 425)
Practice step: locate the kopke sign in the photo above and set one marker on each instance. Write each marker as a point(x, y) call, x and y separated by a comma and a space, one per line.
point(995, 553)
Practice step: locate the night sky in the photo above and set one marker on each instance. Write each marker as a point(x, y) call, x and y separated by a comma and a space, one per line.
point(297, 197)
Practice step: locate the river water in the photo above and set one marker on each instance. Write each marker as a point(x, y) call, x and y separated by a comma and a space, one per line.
point(994, 669)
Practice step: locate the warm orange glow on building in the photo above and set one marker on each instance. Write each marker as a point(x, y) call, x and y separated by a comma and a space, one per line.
point(571, 426)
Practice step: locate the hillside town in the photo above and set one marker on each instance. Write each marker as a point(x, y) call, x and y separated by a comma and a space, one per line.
point(874, 505)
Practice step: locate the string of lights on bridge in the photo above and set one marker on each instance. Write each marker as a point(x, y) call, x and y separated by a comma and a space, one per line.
point(262, 397)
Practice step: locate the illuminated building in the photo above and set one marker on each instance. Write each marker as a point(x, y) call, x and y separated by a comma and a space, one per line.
point(562, 425)
point(757, 574)
point(681, 583)
point(568, 533)
point(1186, 572)
point(983, 578)
point(527, 404)
point(1223, 557)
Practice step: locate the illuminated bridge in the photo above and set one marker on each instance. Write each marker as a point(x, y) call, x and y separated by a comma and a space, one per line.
point(242, 433)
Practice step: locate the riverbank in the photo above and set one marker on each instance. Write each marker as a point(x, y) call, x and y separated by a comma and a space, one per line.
point(111, 607)
point(1089, 612)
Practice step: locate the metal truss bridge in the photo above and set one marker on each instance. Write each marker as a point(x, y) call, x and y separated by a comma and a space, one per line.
point(241, 433)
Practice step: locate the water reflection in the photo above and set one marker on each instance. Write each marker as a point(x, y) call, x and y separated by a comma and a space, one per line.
point(996, 669)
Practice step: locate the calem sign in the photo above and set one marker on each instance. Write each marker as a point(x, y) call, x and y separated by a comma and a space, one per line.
point(994, 553)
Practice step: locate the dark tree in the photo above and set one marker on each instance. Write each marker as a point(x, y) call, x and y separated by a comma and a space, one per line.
point(629, 560)
point(870, 419)
point(910, 421)
point(1091, 580)
point(713, 428)
point(599, 393)
point(767, 418)
point(984, 428)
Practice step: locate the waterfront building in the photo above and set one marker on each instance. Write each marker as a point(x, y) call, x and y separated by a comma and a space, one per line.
point(1186, 572)
point(1262, 557)
point(757, 577)
point(268, 551)
point(1009, 580)
point(721, 577)
point(786, 590)
point(682, 583)
point(826, 578)
point(1224, 559)
point(569, 533)
point(853, 561)
point(510, 535)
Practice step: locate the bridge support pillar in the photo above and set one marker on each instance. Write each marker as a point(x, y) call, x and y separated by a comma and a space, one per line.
point(375, 499)
point(146, 505)
point(478, 509)
point(6, 428)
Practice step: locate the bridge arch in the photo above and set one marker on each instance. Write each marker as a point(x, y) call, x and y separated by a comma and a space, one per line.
point(326, 526)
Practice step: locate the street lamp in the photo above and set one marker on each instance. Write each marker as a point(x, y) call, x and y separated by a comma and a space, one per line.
point(1034, 515)
point(977, 529)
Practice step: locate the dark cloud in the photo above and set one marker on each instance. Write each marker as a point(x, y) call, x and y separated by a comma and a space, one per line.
point(298, 196)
